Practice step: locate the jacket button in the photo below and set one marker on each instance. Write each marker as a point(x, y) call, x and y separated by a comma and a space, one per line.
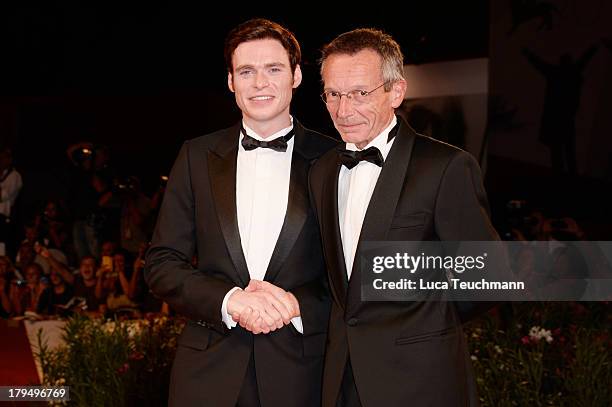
point(352, 322)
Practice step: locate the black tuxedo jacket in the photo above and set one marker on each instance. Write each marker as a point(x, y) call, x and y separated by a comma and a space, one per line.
point(402, 353)
point(198, 217)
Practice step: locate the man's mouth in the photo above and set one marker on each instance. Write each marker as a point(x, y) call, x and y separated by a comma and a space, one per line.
point(349, 126)
point(261, 98)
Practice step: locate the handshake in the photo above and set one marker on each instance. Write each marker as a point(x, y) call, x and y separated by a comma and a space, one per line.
point(262, 307)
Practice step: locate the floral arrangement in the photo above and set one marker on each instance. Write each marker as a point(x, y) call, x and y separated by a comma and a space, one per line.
point(113, 362)
point(543, 354)
point(524, 354)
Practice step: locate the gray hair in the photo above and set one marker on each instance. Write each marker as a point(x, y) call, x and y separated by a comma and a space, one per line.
point(352, 42)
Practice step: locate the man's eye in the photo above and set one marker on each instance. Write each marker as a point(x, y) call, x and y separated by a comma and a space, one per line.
point(333, 94)
point(246, 72)
point(362, 92)
point(275, 69)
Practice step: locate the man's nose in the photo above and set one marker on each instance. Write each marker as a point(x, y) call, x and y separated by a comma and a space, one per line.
point(261, 80)
point(345, 107)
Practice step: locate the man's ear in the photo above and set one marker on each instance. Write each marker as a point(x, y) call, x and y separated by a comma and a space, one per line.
point(297, 76)
point(398, 91)
point(230, 81)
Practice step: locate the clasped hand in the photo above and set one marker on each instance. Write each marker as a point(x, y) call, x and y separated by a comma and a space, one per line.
point(262, 307)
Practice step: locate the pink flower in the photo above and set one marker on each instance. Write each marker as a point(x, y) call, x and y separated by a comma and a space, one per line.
point(525, 340)
point(123, 368)
point(136, 356)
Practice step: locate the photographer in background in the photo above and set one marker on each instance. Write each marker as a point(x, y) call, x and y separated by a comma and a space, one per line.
point(85, 283)
point(156, 201)
point(51, 226)
point(135, 211)
point(112, 285)
point(53, 299)
point(90, 171)
point(56, 262)
point(10, 185)
point(25, 295)
point(106, 214)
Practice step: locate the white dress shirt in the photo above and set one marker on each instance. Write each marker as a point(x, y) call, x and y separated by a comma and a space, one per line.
point(355, 188)
point(262, 193)
point(10, 185)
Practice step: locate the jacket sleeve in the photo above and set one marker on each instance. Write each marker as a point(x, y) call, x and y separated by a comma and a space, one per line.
point(462, 214)
point(314, 296)
point(168, 269)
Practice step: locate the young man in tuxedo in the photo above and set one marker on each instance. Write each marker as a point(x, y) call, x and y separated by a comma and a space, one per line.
point(389, 184)
point(257, 301)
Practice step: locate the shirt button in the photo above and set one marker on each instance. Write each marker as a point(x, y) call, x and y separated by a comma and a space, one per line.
point(352, 322)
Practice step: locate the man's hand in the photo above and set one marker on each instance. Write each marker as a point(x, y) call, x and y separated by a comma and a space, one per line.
point(287, 298)
point(257, 311)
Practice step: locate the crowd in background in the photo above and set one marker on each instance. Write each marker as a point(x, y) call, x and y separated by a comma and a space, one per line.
point(84, 253)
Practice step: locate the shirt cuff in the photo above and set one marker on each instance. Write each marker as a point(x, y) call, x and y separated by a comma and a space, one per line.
point(225, 317)
point(297, 324)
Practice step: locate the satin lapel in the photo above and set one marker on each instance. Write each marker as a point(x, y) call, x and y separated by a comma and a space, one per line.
point(222, 173)
point(297, 210)
point(384, 200)
point(332, 241)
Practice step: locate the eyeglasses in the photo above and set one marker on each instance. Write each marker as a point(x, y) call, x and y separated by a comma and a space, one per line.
point(356, 96)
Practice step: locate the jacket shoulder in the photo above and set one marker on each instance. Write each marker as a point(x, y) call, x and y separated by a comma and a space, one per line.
point(320, 142)
point(436, 151)
point(312, 144)
point(210, 139)
point(325, 164)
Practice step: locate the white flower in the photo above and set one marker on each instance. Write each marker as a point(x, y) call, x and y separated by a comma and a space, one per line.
point(498, 349)
point(133, 329)
point(473, 357)
point(109, 327)
point(536, 334)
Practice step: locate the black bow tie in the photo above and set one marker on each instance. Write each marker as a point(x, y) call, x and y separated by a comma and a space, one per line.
point(352, 158)
point(278, 144)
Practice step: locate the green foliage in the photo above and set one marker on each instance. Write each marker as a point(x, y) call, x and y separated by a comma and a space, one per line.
point(113, 363)
point(543, 354)
point(531, 354)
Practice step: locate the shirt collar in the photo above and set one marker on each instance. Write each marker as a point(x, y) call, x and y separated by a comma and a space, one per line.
point(276, 135)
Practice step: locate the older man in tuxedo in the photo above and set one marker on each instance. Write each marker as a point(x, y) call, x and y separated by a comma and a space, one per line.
point(257, 300)
point(389, 184)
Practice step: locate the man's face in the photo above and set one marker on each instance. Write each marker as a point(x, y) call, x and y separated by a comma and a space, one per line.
point(108, 248)
point(88, 268)
point(51, 210)
point(263, 83)
point(360, 123)
point(55, 278)
point(119, 262)
point(32, 275)
point(26, 254)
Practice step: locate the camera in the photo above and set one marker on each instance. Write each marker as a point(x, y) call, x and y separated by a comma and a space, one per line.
point(163, 181)
point(126, 184)
point(81, 155)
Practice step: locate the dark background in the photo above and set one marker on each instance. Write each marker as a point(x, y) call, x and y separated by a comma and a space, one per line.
point(141, 78)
